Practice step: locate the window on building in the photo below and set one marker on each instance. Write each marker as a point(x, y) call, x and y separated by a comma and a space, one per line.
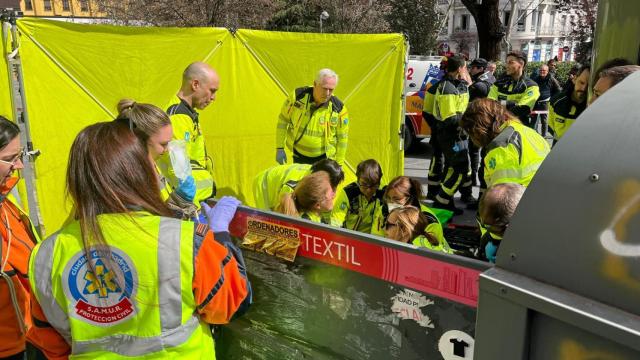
point(464, 22)
point(507, 16)
point(84, 5)
point(534, 19)
point(522, 17)
point(65, 5)
point(47, 5)
point(28, 5)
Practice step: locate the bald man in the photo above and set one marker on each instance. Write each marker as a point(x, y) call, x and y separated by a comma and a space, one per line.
point(200, 83)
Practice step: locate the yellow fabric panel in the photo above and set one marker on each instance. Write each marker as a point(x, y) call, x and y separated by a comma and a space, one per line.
point(75, 74)
point(367, 84)
point(5, 85)
point(109, 68)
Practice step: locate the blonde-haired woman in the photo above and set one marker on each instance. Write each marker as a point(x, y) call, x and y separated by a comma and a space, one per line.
point(312, 196)
point(153, 127)
point(408, 224)
point(406, 191)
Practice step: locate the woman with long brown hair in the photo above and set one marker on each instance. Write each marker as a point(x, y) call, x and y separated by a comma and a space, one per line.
point(408, 224)
point(312, 196)
point(512, 152)
point(123, 278)
point(153, 127)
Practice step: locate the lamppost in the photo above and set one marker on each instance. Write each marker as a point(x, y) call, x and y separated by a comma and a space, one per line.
point(323, 16)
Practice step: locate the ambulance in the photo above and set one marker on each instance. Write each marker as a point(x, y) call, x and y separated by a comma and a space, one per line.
point(422, 73)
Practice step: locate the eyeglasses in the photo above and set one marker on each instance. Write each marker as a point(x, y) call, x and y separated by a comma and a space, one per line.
point(367, 185)
point(14, 160)
point(390, 225)
point(495, 228)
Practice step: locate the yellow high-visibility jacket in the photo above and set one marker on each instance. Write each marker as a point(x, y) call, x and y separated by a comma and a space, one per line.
point(271, 184)
point(514, 155)
point(187, 127)
point(519, 96)
point(563, 112)
point(313, 131)
point(353, 211)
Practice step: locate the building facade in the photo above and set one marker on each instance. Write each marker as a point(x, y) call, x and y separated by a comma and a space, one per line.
point(538, 29)
point(70, 10)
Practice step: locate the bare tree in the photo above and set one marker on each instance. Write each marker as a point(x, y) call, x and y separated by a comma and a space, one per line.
point(185, 13)
point(490, 28)
point(358, 16)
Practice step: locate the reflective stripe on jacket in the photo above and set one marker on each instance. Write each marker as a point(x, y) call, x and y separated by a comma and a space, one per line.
point(313, 131)
point(422, 241)
point(563, 112)
point(18, 239)
point(166, 280)
point(450, 100)
point(353, 211)
point(519, 96)
point(434, 227)
point(271, 184)
point(187, 127)
point(514, 155)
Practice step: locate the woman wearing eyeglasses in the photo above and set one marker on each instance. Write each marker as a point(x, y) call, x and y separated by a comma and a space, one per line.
point(405, 191)
point(18, 239)
point(312, 196)
point(153, 127)
point(359, 203)
point(408, 224)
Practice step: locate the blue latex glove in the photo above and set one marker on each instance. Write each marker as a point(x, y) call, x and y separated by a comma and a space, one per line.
point(221, 215)
point(187, 188)
point(281, 156)
point(491, 251)
point(202, 218)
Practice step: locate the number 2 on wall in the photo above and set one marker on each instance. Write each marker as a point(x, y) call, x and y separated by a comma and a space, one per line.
point(410, 74)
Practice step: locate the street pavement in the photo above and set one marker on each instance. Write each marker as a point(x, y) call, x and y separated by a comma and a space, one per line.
point(416, 165)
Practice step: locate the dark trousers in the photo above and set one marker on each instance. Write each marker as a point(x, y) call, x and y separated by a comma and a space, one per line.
point(454, 145)
point(544, 126)
point(436, 165)
point(301, 159)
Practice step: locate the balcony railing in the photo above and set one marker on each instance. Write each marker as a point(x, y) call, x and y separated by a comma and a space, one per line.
point(553, 30)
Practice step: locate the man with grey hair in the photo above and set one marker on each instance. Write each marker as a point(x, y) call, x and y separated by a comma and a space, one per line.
point(313, 124)
point(609, 78)
point(497, 206)
point(491, 69)
point(200, 83)
point(549, 86)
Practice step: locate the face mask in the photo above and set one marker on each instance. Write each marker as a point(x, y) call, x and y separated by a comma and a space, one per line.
point(393, 206)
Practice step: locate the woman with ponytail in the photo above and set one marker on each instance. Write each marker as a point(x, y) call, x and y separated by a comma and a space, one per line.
point(153, 127)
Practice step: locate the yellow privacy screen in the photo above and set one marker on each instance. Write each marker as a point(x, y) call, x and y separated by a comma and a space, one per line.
point(75, 74)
